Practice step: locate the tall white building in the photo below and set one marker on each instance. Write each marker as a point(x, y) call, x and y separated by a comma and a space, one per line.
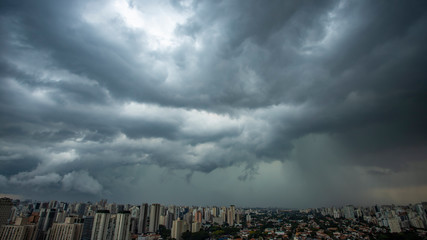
point(122, 228)
point(100, 225)
point(154, 217)
point(178, 227)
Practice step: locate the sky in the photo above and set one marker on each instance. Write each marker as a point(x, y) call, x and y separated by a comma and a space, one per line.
point(289, 104)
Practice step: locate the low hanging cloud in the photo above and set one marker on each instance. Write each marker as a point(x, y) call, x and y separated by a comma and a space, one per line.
point(81, 181)
point(91, 86)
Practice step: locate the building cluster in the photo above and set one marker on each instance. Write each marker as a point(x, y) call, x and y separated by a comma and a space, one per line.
point(348, 222)
point(105, 221)
point(395, 218)
point(33, 220)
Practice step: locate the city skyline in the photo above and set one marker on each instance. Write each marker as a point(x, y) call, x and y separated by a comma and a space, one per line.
point(101, 220)
point(148, 204)
point(286, 104)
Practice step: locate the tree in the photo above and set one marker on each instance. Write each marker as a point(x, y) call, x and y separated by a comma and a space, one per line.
point(165, 233)
point(186, 235)
point(201, 235)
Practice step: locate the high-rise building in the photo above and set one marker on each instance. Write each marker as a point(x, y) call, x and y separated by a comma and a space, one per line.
point(223, 214)
point(416, 221)
point(162, 220)
point(13, 214)
point(248, 218)
point(100, 225)
point(60, 217)
point(5, 210)
point(162, 210)
point(111, 227)
point(421, 212)
point(50, 216)
point(215, 211)
point(112, 207)
point(134, 218)
point(81, 209)
point(169, 220)
point(337, 213)
point(198, 216)
point(195, 227)
point(154, 218)
point(40, 222)
point(178, 227)
point(393, 224)
point(231, 212)
point(237, 220)
point(122, 228)
point(349, 212)
point(188, 218)
point(133, 225)
point(207, 216)
point(53, 204)
point(143, 216)
point(66, 231)
point(175, 211)
point(120, 208)
point(87, 227)
point(24, 232)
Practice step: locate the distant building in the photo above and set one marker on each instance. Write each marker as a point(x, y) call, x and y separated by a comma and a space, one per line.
point(195, 227)
point(143, 216)
point(231, 213)
point(178, 227)
point(218, 220)
point(393, 224)
point(349, 212)
point(154, 218)
point(198, 217)
point(223, 214)
point(169, 220)
point(81, 209)
point(337, 213)
point(215, 211)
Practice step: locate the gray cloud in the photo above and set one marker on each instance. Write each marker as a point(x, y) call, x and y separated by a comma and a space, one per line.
point(89, 87)
point(81, 181)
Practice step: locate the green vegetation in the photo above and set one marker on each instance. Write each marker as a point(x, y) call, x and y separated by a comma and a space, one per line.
point(201, 235)
point(165, 233)
point(399, 236)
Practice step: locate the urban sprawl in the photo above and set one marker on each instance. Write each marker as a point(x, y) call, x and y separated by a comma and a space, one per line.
point(35, 220)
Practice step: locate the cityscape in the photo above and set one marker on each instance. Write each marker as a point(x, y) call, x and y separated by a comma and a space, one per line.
point(57, 220)
point(213, 119)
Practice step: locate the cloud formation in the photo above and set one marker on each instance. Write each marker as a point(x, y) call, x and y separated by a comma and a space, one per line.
point(89, 87)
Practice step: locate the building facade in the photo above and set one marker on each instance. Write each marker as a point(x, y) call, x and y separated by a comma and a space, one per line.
point(100, 225)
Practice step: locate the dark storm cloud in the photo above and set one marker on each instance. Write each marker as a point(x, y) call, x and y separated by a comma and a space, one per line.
point(237, 83)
